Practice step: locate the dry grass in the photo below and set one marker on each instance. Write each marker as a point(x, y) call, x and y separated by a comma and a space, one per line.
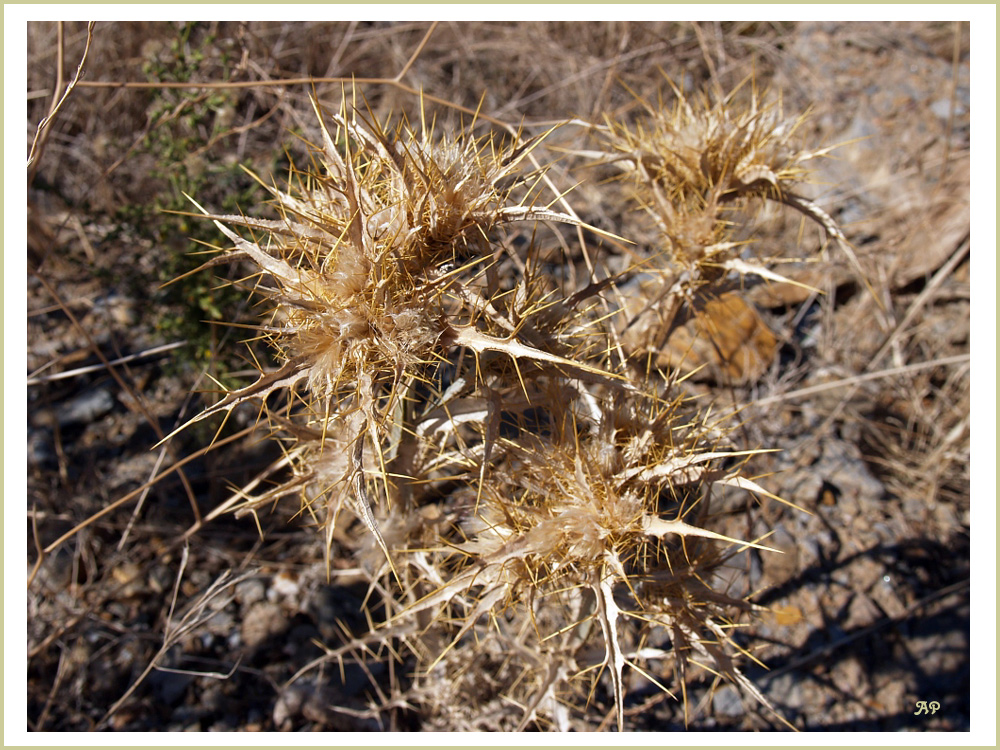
point(490, 357)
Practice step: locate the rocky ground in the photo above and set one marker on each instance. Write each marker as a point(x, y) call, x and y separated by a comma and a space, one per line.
point(862, 390)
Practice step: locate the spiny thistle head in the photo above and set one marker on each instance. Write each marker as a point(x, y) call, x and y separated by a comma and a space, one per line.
point(376, 271)
point(590, 511)
point(367, 238)
point(693, 164)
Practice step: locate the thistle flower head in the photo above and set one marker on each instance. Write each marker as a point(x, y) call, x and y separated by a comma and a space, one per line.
point(368, 235)
point(692, 164)
point(375, 272)
point(600, 499)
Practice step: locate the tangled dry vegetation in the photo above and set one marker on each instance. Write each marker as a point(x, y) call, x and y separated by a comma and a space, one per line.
point(563, 394)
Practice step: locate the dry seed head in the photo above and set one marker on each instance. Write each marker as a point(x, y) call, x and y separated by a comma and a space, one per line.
point(375, 272)
point(693, 164)
point(363, 255)
point(607, 506)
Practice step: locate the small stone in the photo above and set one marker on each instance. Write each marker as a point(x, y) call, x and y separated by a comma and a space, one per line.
point(221, 623)
point(284, 585)
point(129, 576)
point(40, 452)
point(250, 591)
point(262, 622)
point(942, 109)
point(786, 691)
point(169, 687)
point(86, 408)
point(160, 578)
point(289, 705)
point(726, 702)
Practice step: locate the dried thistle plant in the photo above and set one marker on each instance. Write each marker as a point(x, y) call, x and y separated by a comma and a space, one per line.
point(698, 170)
point(542, 507)
point(694, 166)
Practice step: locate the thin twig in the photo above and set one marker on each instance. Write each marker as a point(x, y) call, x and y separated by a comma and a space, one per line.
point(311, 82)
point(950, 127)
point(140, 404)
point(36, 379)
point(42, 132)
point(156, 468)
point(192, 619)
point(897, 331)
point(918, 304)
point(137, 491)
point(416, 52)
point(62, 670)
point(856, 380)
